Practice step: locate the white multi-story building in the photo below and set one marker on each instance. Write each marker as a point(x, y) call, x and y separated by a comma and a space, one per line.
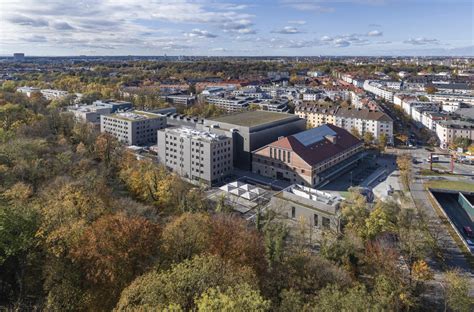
point(378, 89)
point(312, 96)
point(429, 119)
point(28, 90)
point(230, 104)
point(51, 94)
point(200, 156)
point(448, 97)
point(365, 120)
point(448, 130)
point(133, 128)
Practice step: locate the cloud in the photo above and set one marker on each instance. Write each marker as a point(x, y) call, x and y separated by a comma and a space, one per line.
point(421, 41)
point(306, 5)
point(62, 26)
point(375, 25)
point(198, 33)
point(35, 38)
point(341, 43)
point(287, 30)
point(374, 33)
point(27, 21)
point(297, 22)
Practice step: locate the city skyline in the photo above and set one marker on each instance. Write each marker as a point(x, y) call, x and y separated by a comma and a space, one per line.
point(238, 28)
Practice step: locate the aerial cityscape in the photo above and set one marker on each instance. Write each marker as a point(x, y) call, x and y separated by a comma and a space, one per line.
point(287, 155)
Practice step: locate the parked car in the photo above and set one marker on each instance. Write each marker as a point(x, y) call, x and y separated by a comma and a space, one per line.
point(468, 231)
point(469, 242)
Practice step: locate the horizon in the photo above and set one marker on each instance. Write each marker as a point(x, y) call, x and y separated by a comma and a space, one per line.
point(238, 28)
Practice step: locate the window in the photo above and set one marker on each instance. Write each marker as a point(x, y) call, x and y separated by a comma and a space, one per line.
point(271, 152)
point(279, 154)
point(293, 212)
point(326, 222)
point(315, 220)
point(288, 156)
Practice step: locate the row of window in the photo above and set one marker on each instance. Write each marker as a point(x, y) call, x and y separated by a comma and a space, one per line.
point(279, 154)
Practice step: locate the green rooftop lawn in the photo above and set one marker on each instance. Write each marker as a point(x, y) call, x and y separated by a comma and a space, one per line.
point(451, 185)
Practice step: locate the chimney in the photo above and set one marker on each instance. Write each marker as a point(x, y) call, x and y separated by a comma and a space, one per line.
point(332, 138)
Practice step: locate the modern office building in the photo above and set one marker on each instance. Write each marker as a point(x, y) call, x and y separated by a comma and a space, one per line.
point(252, 130)
point(200, 156)
point(272, 105)
point(90, 113)
point(309, 157)
point(134, 127)
point(230, 104)
point(318, 209)
point(115, 105)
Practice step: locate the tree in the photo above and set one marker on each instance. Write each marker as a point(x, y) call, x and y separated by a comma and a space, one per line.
point(183, 283)
point(368, 137)
point(383, 140)
point(354, 211)
point(404, 165)
point(332, 298)
point(232, 239)
point(422, 271)
point(235, 299)
point(431, 89)
point(379, 221)
point(355, 133)
point(403, 138)
point(113, 250)
point(186, 236)
point(18, 226)
point(457, 291)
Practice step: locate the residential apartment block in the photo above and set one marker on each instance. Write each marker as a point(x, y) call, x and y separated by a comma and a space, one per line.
point(134, 127)
point(196, 155)
point(309, 157)
point(363, 120)
point(448, 130)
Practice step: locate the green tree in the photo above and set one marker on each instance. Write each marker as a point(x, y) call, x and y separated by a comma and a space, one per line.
point(383, 140)
point(368, 137)
point(186, 236)
point(238, 298)
point(457, 291)
point(183, 283)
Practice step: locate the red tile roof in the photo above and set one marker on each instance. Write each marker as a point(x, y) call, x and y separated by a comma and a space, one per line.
point(319, 151)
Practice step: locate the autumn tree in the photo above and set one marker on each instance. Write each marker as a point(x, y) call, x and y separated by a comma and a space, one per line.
point(382, 142)
point(186, 236)
point(457, 291)
point(404, 165)
point(368, 137)
point(113, 250)
point(241, 297)
point(183, 283)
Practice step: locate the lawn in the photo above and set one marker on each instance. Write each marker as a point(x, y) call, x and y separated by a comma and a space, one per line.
point(451, 185)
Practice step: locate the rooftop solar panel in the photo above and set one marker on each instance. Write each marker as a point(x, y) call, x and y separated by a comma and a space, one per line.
point(314, 135)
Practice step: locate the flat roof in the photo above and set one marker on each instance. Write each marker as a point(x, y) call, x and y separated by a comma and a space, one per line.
point(135, 115)
point(253, 118)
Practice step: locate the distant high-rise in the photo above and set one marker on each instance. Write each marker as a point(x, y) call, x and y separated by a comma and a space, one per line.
point(19, 56)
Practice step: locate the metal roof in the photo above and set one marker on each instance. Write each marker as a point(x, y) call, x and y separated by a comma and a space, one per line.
point(314, 135)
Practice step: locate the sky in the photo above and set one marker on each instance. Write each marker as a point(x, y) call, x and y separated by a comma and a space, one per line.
point(238, 28)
